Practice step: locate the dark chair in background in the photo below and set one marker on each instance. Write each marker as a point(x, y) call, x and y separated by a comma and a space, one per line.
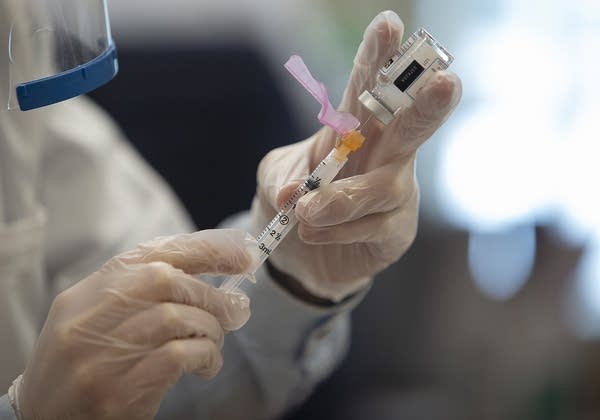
point(203, 118)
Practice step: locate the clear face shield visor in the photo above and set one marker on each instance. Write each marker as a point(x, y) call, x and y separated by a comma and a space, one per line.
point(53, 50)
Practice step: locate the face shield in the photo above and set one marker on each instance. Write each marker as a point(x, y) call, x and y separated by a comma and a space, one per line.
point(53, 50)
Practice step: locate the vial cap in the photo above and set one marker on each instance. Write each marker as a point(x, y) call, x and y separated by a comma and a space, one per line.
point(378, 110)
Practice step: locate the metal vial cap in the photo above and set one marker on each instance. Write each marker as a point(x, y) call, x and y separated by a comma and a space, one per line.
point(377, 109)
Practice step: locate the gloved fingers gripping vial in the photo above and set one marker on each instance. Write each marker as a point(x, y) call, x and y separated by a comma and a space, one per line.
point(396, 85)
point(407, 71)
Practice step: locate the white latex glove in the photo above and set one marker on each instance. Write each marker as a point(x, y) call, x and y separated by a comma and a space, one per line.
point(116, 341)
point(355, 227)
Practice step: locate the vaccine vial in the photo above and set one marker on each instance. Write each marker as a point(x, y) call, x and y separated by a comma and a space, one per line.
point(404, 74)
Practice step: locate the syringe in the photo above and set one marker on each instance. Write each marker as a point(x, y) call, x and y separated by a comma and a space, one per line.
point(395, 88)
point(286, 220)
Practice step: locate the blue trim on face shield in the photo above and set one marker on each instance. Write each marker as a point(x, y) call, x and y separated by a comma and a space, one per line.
point(69, 84)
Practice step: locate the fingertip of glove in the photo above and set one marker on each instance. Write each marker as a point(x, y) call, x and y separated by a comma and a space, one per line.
point(239, 309)
point(239, 300)
point(440, 95)
point(382, 36)
point(387, 20)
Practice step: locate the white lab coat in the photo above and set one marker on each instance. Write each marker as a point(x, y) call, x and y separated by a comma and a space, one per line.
point(73, 194)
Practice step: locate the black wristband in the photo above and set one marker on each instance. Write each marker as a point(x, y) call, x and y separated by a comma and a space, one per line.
point(295, 288)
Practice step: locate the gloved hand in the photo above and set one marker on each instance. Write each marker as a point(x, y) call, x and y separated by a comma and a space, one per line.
point(356, 226)
point(116, 341)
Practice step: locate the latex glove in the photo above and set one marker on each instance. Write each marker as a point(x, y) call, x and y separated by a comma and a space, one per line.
point(116, 341)
point(356, 226)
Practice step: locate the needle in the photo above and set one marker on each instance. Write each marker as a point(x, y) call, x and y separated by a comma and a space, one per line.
point(362, 126)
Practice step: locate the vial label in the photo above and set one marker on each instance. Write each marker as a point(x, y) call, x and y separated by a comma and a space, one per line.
point(409, 75)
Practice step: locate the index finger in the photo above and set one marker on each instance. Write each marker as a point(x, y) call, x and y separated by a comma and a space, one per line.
point(216, 251)
point(142, 285)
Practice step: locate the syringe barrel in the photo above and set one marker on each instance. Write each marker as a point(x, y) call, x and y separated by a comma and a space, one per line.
point(285, 220)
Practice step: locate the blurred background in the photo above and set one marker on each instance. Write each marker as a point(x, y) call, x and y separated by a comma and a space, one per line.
point(494, 313)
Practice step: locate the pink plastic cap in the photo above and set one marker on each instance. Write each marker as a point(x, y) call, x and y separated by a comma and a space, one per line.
point(341, 122)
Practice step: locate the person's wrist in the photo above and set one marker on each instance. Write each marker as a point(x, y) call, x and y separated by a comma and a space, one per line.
point(295, 288)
